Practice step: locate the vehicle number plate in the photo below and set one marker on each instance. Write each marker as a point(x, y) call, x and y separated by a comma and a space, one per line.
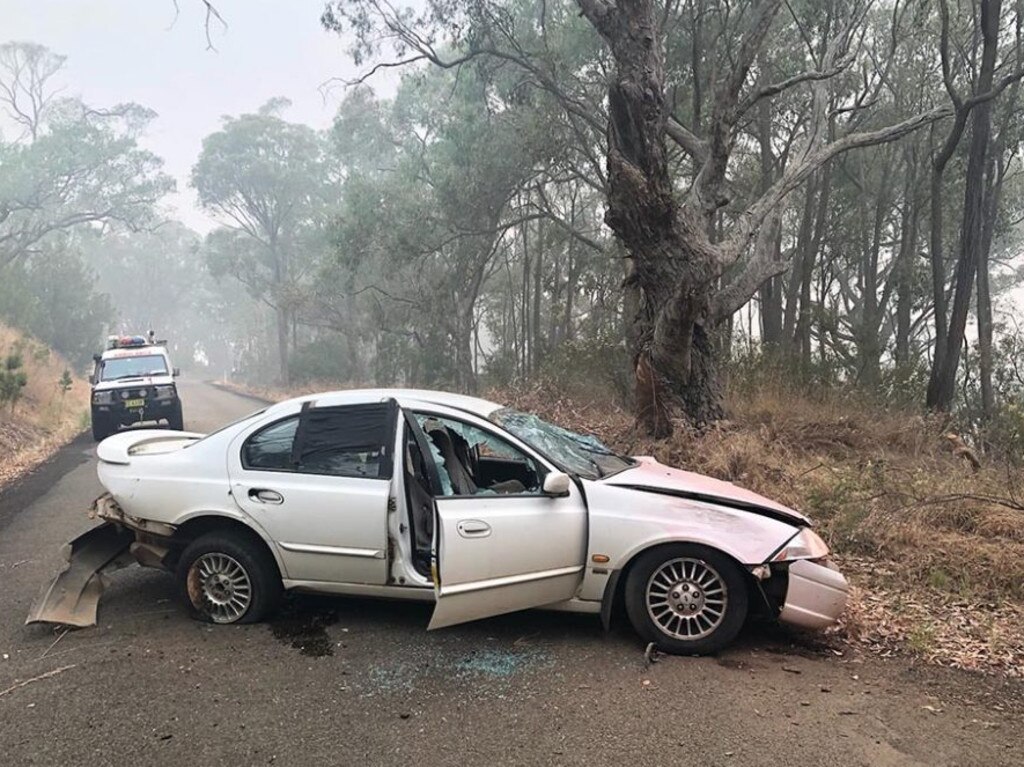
point(134, 403)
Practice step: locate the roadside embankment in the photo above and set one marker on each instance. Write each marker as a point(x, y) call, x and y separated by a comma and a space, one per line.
point(41, 408)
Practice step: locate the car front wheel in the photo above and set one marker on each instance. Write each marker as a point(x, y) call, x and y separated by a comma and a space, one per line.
point(225, 578)
point(687, 599)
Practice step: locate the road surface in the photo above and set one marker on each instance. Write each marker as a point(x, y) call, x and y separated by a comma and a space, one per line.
point(361, 682)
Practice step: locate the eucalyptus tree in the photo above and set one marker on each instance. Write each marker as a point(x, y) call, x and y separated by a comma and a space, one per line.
point(695, 255)
point(427, 210)
point(950, 329)
point(70, 164)
point(155, 279)
point(55, 297)
point(269, 183)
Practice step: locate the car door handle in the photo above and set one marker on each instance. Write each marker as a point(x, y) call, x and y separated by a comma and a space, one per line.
point(262, 495)
point(473, 528)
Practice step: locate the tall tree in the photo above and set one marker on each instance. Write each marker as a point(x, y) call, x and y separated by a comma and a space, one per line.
point(72, 165)
point(696, 257)
point(947, 358)
point(268, 181)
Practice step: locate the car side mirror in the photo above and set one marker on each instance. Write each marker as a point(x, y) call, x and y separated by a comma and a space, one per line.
point(556, 483)
point(97, 357)
point(176, 372)
point(92, 380)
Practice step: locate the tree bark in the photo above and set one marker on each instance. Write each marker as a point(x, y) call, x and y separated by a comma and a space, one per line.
point(674, 267)
point(941, 388)
point(802, 332)
point(802, 263)
point(904, 267)
point(281, 313)
point(985, 324)
point(536, 343)
point(869, 342)
point(770, 293)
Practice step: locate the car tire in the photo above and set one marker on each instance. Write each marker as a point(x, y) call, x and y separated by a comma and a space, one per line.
point(228, 578)
point(100, 428)
point(686, 599)
point(176, 421)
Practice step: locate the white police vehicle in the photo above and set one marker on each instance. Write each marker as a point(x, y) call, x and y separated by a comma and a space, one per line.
point(133, 382)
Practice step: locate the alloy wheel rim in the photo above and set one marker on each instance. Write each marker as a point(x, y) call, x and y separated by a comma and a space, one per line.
point(224, 587)
point(686, 598)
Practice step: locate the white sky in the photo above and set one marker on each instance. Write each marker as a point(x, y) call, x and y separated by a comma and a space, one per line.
point(128, 50)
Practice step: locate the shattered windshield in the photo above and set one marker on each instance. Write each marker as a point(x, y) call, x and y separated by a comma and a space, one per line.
point(134, 367)
point(576, 453)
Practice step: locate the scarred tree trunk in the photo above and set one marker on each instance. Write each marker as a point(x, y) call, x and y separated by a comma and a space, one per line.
point(673, 266)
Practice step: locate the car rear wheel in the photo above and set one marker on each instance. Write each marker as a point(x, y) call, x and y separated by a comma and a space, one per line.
point(687, 599)
point(226, 578)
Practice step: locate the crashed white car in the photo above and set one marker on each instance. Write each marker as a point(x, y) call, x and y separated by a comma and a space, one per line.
point(439, 497)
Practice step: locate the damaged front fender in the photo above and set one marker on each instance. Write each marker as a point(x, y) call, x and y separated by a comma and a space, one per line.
point(72, 599)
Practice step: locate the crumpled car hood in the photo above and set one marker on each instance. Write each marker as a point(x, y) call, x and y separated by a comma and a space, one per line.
point(652, 476)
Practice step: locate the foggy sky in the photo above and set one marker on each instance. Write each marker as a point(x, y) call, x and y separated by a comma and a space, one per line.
point(128, 50)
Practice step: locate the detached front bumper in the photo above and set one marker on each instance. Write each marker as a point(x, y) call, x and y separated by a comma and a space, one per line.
point(815, 596)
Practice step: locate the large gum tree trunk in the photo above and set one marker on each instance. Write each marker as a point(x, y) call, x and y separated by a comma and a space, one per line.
point(672, 266)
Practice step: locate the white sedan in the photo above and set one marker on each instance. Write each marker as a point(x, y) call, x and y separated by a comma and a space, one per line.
point(439, 497)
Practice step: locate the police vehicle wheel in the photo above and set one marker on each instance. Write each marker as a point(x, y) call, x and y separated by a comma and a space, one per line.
point(176, 421)
point(100, 429)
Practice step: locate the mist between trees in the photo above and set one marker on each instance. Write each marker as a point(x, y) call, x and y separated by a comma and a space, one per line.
point(640, 198)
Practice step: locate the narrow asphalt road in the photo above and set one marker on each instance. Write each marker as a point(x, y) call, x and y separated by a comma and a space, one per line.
point(360, 682)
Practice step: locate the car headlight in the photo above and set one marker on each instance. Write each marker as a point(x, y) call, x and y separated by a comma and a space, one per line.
point(165, 392)
point(102, 397)
point(806, 544)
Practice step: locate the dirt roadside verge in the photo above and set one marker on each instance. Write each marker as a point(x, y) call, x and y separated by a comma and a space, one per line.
point(49, 411)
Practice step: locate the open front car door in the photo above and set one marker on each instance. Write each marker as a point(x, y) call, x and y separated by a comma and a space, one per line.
point(510, 533)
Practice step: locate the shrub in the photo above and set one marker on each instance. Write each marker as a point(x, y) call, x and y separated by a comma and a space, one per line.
point(12, 380)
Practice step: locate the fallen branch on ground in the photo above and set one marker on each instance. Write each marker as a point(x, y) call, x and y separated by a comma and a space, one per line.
point(27, 682)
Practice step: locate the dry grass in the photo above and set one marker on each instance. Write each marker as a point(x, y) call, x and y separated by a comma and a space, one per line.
point(43, 420)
